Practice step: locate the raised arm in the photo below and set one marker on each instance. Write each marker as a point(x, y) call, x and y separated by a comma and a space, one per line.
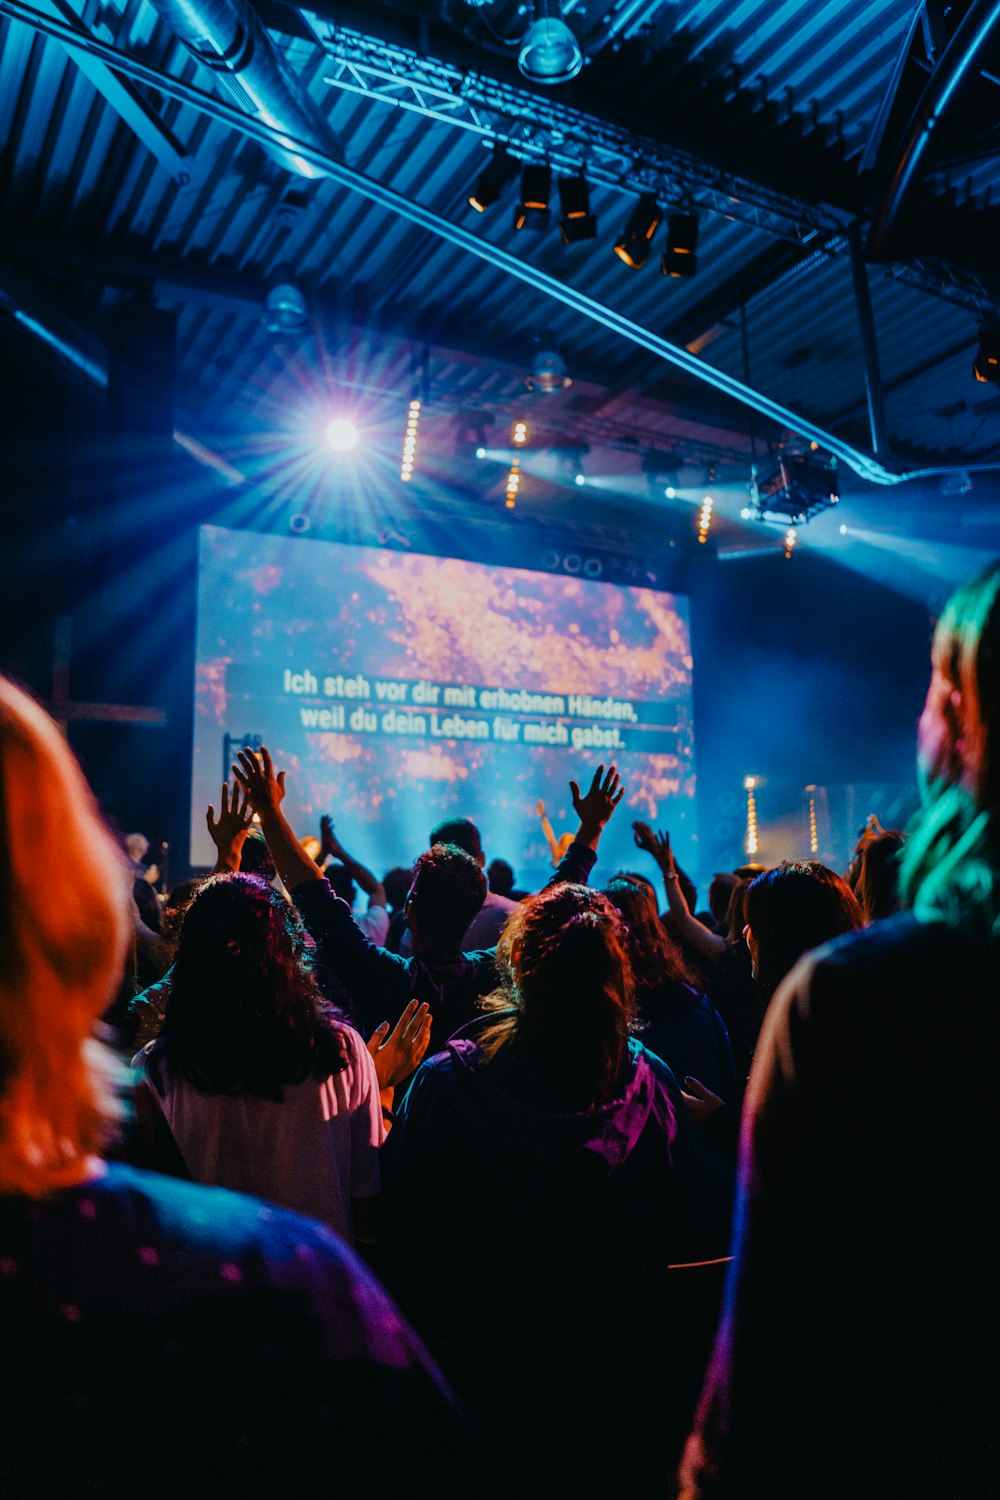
point(594, 809)
point(228, 832)
point(710, 944)
point(369, 883)
point(266, 791)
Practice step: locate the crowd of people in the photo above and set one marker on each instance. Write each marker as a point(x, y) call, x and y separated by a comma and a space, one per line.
point(444, 1191)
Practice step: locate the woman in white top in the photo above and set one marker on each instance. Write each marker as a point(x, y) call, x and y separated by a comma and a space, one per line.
point(264, 1089)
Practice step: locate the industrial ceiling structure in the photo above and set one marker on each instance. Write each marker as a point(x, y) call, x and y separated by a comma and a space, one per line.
point(800, 196)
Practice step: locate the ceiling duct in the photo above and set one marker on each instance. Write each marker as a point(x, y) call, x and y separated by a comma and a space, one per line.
point(229, 39)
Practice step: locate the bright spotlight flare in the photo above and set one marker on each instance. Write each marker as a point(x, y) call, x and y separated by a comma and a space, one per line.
point(341, 434)
point(410, 441)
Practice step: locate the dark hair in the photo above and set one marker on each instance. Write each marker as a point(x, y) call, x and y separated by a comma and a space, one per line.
point(720, 893)
point(500, 876)
point(255, 857)
point(461, 832)
point(877, 882)
point(245, 1014)
point(448, 889)
point(663, 979)
point(793, 909)
point(567, 991)
point(396, 883)
point(342, 881)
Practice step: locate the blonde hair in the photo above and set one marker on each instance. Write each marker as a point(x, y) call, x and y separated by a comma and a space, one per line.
point(64, 917)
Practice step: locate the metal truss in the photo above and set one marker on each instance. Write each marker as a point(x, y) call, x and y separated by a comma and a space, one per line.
point(534, 128)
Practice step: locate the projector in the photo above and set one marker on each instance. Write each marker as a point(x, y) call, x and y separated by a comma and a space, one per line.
point(794, 488)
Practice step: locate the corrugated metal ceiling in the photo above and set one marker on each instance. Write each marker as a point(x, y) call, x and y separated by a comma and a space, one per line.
point(90, 215)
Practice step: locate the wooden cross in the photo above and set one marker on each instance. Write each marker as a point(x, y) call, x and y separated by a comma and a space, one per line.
point(63, 708)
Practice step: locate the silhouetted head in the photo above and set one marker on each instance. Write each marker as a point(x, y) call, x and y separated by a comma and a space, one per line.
point(396, 883)
point(461, 832)
point(448, 889)
point(500, 876)
point(255, 858)
point(342, 882)
point(793, 909)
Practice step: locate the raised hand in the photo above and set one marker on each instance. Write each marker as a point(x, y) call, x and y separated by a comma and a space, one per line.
point(595, 808)
point(255, 774)
point(229, 830)
point(330, 844)
point(644, 837)
point(656, 844)
point(398, 1053)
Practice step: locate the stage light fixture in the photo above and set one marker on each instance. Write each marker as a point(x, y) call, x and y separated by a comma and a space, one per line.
point(536, 189)
point(580, 479)
point(679, 258)
point(519, 436)
point(480, 452)
point(791, 540)
point(644, 221)
point(670, 492)
point(548, 373)
point(986, 365)
point(285, 307)
point(705, 518)
point(410, 441)
point(843, 530)
point(795, 487)
point(577, 222)
point(501, 169)
point(550, 53)
point(341, 434)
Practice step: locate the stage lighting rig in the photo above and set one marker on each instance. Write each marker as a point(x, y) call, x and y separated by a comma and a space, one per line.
point(536, 189)
point(548, 372)
point(501, 169)
point(577, 222)
point(986, 365)
point(644, 221)
point(794, 487)
point(679, 258)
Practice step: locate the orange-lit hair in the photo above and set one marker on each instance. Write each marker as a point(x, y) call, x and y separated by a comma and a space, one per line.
point(64, 913)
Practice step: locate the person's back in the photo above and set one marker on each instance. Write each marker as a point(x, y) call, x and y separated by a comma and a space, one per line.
point(860, 1350)
point(541, 1175)
point(158, 1336)
point(169, 1338)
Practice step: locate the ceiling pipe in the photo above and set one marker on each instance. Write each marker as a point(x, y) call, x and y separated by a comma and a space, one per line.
point(863, 464)
point(954, 71)
point(230, 40)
